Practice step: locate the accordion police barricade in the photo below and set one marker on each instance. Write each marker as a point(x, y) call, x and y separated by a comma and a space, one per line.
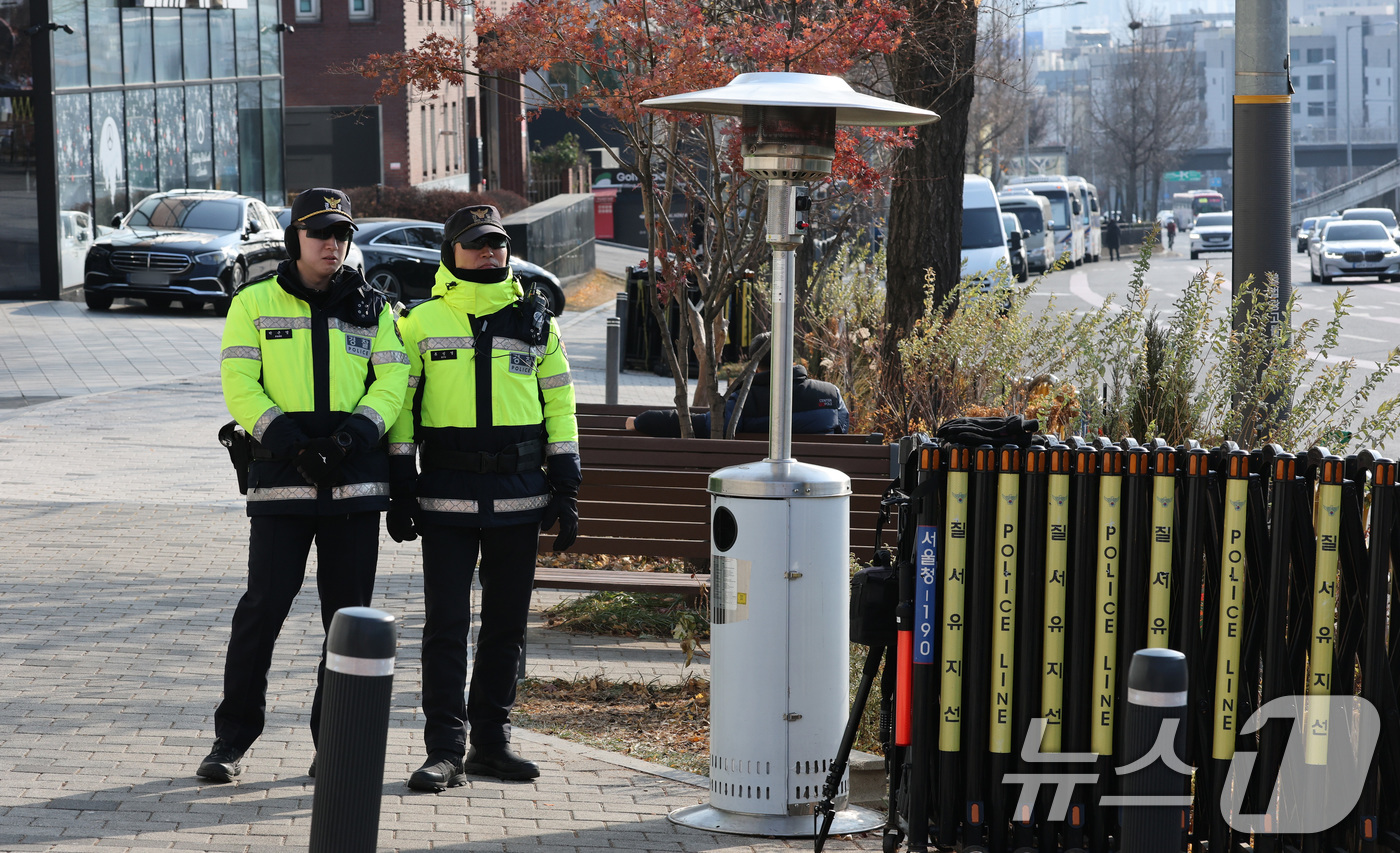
point(1032, 575)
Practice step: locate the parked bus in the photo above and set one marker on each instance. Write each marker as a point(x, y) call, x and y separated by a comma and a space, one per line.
point(1090, 219)
point(1066, 211)
point(1188, 205)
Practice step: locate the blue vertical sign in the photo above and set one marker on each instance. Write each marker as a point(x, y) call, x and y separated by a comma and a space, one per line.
point(927, 565)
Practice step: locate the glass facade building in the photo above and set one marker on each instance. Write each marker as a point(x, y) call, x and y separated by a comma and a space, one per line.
point(141, 96)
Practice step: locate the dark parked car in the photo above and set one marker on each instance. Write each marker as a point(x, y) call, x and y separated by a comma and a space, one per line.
point(197, 246)
point(402, 257)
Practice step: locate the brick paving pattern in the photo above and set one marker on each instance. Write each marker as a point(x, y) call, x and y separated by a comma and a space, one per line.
point(124, 543)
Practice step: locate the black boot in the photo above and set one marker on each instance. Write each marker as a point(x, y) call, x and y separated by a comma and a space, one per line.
point(438, 773)
point(497, 760)
point(222, 764)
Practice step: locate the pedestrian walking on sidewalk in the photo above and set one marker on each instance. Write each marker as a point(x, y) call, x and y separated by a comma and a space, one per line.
point(1112, 236)
point(314, 371)
point(492, 418)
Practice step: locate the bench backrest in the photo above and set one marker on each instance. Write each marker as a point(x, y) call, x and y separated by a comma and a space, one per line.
point(648, 496)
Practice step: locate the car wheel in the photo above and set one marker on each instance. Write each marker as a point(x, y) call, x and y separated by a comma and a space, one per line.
point(192, 305)
point(1024, 276)
point(158, 303)
point(1096, 258)
point(97, 301)
point(1312, 276)
point(1325, 279)
point(1195, 255)
point(383, 280)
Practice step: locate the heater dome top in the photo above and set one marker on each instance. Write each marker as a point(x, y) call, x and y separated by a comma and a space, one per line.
point(791, 89)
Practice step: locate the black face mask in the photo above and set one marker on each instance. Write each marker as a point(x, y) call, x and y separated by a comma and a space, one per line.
point(493, 275)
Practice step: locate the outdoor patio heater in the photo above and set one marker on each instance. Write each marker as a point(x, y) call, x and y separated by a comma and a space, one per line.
point(780, 529)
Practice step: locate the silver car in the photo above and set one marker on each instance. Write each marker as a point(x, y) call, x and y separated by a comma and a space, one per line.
point(1361, 247)
point(1213, 232)
point(1315, 236)
point(1304, 232)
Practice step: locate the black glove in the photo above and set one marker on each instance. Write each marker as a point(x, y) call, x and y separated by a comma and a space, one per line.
point(562, 508)
point(283, 438)
point(400, 519)
point(356, 433)
point(319, 462)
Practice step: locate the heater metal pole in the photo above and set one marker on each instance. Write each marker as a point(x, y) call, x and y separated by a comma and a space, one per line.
point(784, 243)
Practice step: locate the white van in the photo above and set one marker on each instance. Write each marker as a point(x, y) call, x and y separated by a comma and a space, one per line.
point(983, 240)
point(1066, 211)
point(1091, 218)
point(1034, 213)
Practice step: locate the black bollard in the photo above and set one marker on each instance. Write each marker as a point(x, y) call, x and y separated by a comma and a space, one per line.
point(1154, 796)
point(354, 731)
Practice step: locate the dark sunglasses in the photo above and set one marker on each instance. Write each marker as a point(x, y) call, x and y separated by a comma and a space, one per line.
point(495, 241)
point(339, 233)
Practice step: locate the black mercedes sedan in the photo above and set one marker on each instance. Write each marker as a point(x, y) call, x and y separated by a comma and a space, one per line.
point(402, 257)
point(197, 246)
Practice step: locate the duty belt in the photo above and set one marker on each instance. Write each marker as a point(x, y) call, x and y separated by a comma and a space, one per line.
point(525, 456)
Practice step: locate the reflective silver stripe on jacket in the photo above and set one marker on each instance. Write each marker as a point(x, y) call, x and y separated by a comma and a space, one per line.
point(557, 381)
point(520, 504)
point(414, 381)
point(241, 352)
point(402, 448)
point(282, 323)
point(265, 421)
point(517, 345)
point(448, 505)
point(558, 447)
point(359, 490)
point(388, 357)
point(445, 343)
point(308, 493)
point(374, 417)
point(283, 493)
point(351, 328)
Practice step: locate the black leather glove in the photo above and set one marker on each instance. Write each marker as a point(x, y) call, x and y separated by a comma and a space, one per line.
point(356, 433)
point(400, 520)
point(283, 437)
point(319, 462)
point(562, 508)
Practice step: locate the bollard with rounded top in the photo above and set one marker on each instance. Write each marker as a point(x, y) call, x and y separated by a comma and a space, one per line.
point(354, 731)
point(622, 309)
point(613, 360)
point(1154, 787)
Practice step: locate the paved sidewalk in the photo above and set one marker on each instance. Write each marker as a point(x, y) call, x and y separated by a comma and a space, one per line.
point(124, 544)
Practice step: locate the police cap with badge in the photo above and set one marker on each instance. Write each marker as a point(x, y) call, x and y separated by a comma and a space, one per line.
point(319, 210)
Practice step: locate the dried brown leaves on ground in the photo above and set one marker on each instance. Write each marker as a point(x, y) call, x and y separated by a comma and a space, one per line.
point(665, 724)
point(592, 290)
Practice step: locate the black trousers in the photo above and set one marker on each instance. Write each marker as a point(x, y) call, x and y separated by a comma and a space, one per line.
point(347, 549)
point(507, 577)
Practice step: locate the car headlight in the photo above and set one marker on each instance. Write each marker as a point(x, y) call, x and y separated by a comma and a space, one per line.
point(1333, 254)
point(216, 258)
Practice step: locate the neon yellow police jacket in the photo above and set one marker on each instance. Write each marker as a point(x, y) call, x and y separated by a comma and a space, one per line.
point(491, 413)
point(298, 365)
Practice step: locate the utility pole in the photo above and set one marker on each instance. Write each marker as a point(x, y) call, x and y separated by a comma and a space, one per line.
point(1263, 151)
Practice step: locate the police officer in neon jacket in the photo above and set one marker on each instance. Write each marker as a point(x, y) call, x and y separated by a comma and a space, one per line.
point(491, 416)
point(314, 370)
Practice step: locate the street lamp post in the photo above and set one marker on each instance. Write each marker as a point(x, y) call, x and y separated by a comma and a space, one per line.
point(1346, 72)
point(1025, 58)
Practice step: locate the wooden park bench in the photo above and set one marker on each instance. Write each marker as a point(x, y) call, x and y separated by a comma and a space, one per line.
point(648, 496)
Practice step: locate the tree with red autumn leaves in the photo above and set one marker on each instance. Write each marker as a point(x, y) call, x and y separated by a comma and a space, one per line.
point(705, 216)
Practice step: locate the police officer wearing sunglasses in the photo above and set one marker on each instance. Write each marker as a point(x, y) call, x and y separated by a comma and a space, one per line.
point(315, 372)
point(491, 416)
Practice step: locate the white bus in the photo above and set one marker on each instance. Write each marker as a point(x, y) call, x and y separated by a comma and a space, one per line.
point(1188, 205)
point(1066, 211)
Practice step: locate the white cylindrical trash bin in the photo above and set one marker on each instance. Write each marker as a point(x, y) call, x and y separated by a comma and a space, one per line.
point(779, 649)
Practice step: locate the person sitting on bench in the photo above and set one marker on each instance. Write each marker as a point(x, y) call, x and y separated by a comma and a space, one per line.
point(817, 406)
